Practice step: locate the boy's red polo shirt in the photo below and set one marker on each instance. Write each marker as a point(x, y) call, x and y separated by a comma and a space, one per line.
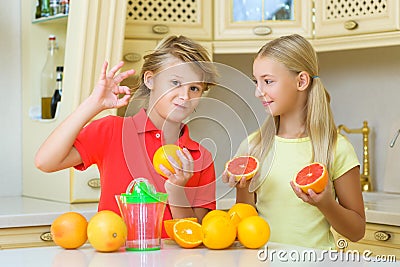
point(101, 143)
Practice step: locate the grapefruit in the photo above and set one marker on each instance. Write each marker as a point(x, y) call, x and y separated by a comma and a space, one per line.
point(313, 176)
point(242, 166)
point(107, 231)
point(161, 157)
point(69, 230)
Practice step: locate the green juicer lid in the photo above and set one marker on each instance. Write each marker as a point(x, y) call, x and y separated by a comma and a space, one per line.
point(143, 192)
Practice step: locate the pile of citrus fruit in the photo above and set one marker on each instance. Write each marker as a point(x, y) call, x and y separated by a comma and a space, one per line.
point(106, 231)
point(219, 229)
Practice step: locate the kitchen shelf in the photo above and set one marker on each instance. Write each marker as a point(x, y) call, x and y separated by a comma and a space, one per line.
point(52, 19)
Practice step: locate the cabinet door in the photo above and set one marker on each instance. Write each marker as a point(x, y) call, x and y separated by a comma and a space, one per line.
point(156, 19)
point(95, 33)
point(351, 17)
point(261, 19)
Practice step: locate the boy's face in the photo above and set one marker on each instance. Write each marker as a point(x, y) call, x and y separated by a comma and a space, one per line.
point(176, 90)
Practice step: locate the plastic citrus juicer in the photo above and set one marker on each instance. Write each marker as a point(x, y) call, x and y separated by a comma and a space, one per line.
point(142, 209)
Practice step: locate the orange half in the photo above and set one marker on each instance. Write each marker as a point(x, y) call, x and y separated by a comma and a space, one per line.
point(188, 234)
point(313, 176)
point(169, 225)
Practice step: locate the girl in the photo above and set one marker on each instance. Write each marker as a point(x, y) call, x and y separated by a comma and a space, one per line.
point(173, 78)
point(301, 130)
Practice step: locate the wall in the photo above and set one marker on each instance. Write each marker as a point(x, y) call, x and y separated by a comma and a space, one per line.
point(364, 85)
point(10, 102)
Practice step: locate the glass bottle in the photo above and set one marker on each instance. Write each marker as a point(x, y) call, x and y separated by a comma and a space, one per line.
point(54, 7)
point(38, 13)
point(48, 77)
point(57, 92)
point(45, 8)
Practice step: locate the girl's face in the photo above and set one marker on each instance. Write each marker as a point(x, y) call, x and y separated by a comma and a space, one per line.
point(175, 91)
point(277, 87)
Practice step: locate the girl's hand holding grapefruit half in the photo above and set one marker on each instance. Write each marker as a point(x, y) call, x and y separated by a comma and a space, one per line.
point(311, 183)
point(239, 170)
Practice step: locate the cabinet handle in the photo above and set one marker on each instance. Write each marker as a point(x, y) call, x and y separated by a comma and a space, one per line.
point(262, 30)
point(132, 57)
point(382, 236)
point(160, 29)
point(94, 183)
point(350, 25)
point(46, 236)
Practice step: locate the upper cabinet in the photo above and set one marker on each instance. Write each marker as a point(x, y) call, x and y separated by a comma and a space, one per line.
point(157, 19)
point(262, 19)
point(335, 18)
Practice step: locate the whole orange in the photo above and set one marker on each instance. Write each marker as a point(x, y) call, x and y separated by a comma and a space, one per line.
point(218, 232)
point(107, 231)
point(161, 157)
point(239, 211)
point(214, 213)
point(313, 176)
point(69, 230)
point(253, 232)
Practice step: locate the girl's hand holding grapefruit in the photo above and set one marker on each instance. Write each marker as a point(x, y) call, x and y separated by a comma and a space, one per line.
point(311, 185)
point(239, 170)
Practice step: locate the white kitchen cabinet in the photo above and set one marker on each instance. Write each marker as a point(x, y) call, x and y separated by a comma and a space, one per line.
point(92, 33)
point(156, 19)
point(349, 17)
point(261, 20)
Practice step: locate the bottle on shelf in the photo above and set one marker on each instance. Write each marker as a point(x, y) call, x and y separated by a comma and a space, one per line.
point(45, 8)
point(64, 7)
point(38, 13)
point(48, 77)
point(54, 7)
point(57, 92)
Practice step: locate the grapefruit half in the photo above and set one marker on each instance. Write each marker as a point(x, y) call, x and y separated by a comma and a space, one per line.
point(242, 166)
point(313, 176)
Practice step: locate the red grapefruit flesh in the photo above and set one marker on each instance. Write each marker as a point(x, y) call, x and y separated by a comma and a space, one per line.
point(242, 166)
point(313, 176)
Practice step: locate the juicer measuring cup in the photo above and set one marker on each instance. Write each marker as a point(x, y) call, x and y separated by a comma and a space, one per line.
point(142, 209)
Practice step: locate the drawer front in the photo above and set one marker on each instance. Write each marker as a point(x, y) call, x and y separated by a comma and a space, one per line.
point(85, 185)
point(380, 239)
point(35, 236)
point(382, 235)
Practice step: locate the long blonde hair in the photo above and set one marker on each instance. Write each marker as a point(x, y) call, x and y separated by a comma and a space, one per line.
point(297, 54)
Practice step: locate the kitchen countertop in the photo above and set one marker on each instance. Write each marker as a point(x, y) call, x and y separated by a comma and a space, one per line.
point(381, 208)
point(172, 255)
point(26, 211)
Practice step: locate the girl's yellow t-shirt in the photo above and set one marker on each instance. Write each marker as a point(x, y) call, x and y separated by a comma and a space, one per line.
point(291, 220)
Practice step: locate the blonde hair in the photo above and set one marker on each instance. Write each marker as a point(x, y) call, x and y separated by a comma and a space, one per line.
point(297, 54)
point(182, 48)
